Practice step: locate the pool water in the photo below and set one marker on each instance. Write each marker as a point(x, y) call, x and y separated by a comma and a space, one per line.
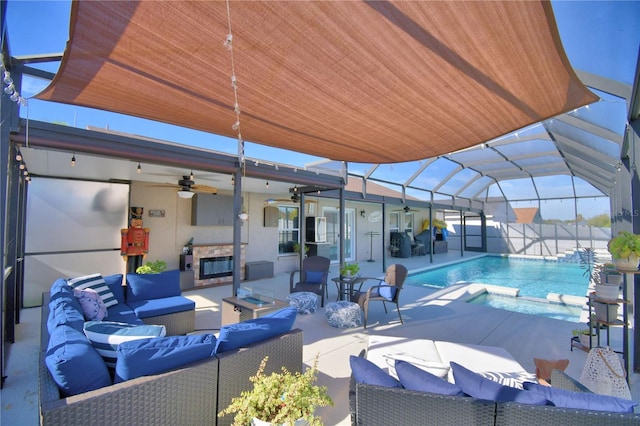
point(531, 307)
point(534, 278)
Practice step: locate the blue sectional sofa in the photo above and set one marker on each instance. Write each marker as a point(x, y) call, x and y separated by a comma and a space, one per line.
point(94, 372)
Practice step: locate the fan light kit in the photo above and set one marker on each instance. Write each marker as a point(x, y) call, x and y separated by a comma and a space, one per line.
point(185, 194)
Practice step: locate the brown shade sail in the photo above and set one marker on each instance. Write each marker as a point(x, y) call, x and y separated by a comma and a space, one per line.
point(374, 82)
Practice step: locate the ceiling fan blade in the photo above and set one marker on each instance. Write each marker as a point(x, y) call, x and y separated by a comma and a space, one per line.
point(163, 185)
point(204, 189)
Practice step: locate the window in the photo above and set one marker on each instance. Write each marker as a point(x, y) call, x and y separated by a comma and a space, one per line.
point(394, 222)
point(408, 222)
point(288, 229)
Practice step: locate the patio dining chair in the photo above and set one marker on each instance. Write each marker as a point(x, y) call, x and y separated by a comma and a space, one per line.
point(312, 277)
point(386, 291)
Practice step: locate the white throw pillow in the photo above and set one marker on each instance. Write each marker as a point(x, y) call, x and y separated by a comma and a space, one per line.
point(105, 336)
point(92, 305)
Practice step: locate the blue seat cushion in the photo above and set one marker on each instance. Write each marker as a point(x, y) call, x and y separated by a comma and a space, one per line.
point(364, 371)
point(106, 336)
point(74, 364)
point(415, 378)
point(153, 286)
point(123, 313)
point(581, 400)
point(245, 333)
point(153, 356)
point(164, 306)
point(473, 384)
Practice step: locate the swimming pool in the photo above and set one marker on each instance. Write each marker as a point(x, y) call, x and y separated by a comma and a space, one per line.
point(534, 278)
point(531, 307)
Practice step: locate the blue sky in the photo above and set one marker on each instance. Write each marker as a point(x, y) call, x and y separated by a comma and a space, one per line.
point(601, 37)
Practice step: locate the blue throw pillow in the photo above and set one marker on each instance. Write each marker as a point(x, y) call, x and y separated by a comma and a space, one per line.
point(153, 286)
point(388, 292)
point(414, 378)
point(105, 336)
point(114, 282)
point(74, 364)
point(153, 356)
point(313, 277)
point(581, 400)
point(473, 384)
point(364, 371)
point(233, 336)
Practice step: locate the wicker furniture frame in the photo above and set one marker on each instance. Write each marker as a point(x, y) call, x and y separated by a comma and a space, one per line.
point(177, 323)
point(377, 405)
point(192, 395)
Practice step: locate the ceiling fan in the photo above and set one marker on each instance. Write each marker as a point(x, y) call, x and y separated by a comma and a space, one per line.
point(187, 187)
point(405, 209)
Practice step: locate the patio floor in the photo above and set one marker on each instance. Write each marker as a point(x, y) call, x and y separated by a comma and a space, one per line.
point(427, 313)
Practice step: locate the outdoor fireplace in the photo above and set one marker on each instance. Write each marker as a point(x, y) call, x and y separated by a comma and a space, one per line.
point(216, 267)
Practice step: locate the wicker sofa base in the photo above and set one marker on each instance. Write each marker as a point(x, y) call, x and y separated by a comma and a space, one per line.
point(192, 395)
point(177, 323)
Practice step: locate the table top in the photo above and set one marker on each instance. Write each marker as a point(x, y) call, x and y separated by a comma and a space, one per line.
point(347, 280)
point(248, 303)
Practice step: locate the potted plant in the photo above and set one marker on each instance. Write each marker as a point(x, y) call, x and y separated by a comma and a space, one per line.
point(296, 248)
point(586, 337)
point(350, 269)
point(625, 250)
point(152, 267)
point(280, 398)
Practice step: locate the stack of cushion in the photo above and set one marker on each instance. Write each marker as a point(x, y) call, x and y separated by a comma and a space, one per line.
point(91, 347)
point(471, 384)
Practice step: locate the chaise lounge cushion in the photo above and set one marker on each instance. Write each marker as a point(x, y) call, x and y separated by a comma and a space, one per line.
point(166, 305)
point(364, 371)
point(233, 336)
point(581, 400)
point(153, 286)
point(153, 356)
point(473, 384)
point(74, 364)
point(105, 336)
point(415, 378)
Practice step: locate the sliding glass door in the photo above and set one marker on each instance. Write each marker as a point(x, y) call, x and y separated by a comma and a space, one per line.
point(333, 233)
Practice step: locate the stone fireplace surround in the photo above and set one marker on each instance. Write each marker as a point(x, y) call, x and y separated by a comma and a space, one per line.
point(203, 251)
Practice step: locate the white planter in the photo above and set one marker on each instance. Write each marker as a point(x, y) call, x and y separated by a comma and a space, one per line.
point(584, 340)
point(601, 311)
point(258, 422)
point(607, 291)
point(628, 264)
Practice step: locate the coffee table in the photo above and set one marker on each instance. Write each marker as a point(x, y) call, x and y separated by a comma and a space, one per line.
point(236, 309)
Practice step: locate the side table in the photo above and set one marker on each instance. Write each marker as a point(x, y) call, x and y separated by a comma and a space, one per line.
point(346, 286)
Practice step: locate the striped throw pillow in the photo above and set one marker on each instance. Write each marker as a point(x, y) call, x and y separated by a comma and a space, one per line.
point(105, 336)
point(97, 283)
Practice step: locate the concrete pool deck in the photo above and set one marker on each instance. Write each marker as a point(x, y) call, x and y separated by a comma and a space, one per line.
point(427, 313)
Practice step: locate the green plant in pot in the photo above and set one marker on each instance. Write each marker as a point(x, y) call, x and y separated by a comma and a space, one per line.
point(586, 337)
point(280, 398)
point(350, 269)
point(152, 267)
point(625, 250)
